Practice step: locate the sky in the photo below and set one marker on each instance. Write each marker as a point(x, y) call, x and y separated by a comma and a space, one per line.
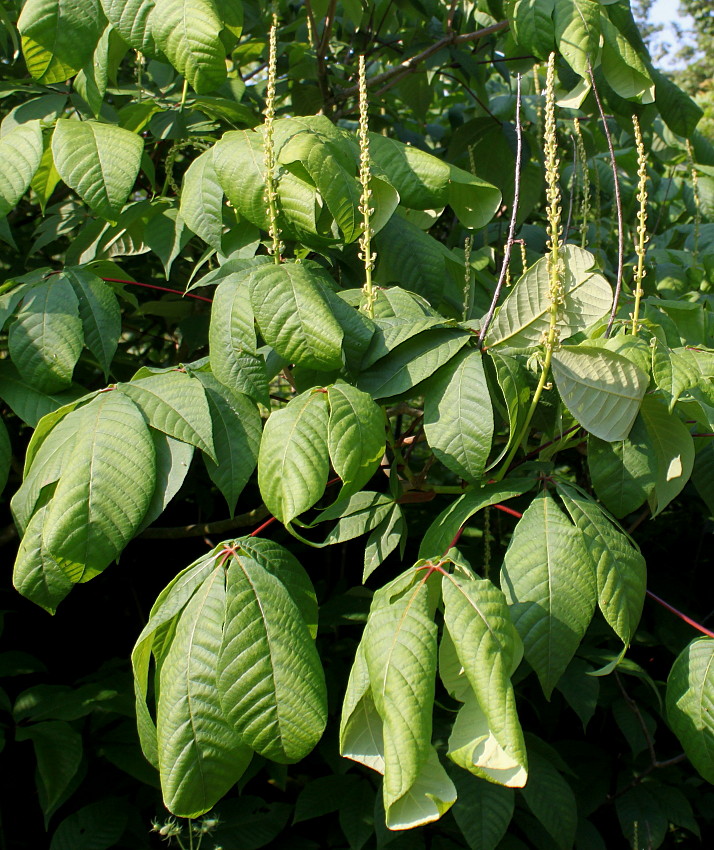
point(665, 12)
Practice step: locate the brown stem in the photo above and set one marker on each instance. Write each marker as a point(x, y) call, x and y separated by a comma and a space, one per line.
point(204, 529)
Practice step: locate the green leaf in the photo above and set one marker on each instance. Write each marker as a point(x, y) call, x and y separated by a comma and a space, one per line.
point(188, 33)
point(489, 650)
point(238, 159)
point(674, 371)
point(483, 811)
point(411, 362)
point(174, 402)
point(58, 38)
point(532, 24)
point(355, 436)
point(5, 455)
point(421, 179)
point(293, 463)
point(640, 814)
point(356, 515)
point(679, 112)
point(474, 201)
point(28, 403)
point(91, 82)
point(390, 332)
point(45, 340)
point(170, 602)
point(601, 389)
point(36, 574)
point(551, 800)
point(90, 519)
point(166, 235)
point(130, 18)
point(270, 679)
point(620, 569)
point(549, 581)
point(513, 380)
point(201, 754)
point(444, 528)
point(581, 689)
point(361, 737)
point(458, 419)
point(383, 540)
point(99, 312)
point(294, 317)
point(690, 703)
point(20, 157)
point(173, 459)
point(237, 429)
point(97, 826)
point(524, 315)
point(577, 32)
point(231, 333)
point(673, 448)
point(623, 473)
point(624, 69)
point(400, 654)
point(202, 200)
point(99, 161)
point(58, 750)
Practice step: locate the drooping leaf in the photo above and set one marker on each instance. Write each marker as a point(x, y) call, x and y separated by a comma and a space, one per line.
point(270, 679)
point(293, 462)
point(45, 340)
point(174, 402)
point(577, 32)
point(105, 488)
point(411, 362)
point(690, 703)
point(187, 32)
point(532, 24)
point(28, 403)
point(488, 650)
point(236, 439)
point(512, 379)
point(355, 515)
point(201, 755)
point(673, 448)
point(97, 826)
point(58, 38)
point(444, 528)
point(130, 18)
point(602, 390)
point(624, 472)
point(549, 580)
point(483, 811)
point(524, 315)
point(458, 419)
point(202, 200)
point(166, 235)
point(99, 312)
point(674, 371)
point(20, 156)
point(551, 800)
point(624, 69)
point(99, 161)
point(620, 569)
point(58, 750)
point(383, 540)
point(355, 436)
point(294, 317)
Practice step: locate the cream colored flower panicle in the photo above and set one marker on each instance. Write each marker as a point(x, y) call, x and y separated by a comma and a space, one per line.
point(552, 192)
point(365, 240)
point(271, 193)
point(585, 203)
point(641, 240)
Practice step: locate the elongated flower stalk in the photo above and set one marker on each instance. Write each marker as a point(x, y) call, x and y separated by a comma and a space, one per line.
point(271, 192)
point(585, 200)
point(697, 199)
point(468, 247)
point(556, 265)
point(641, 240)
point(597, 211)
point(365, 240)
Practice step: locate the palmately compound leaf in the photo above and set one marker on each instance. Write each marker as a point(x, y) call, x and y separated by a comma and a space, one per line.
point(673, 448)
point(486, 739)
point(355, 436)
point(602, 390)
point(620, 569)
point(293, 462)
point(294, 317)
point(270, 678)
point(523, 317)
point(458, 418)
point(105, 488)
point(400, 656)
point(20, 155)
point(99, 161)
point(690, 703)
point(188, 33)
point(201, 755)
point(152, 640)
point(45, 340)
point(550, 583)
point(174, 402)
point(58, 38)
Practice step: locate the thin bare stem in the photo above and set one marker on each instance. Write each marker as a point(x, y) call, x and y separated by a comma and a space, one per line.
point(488, 318)
point(618, 205)
point(205, 529)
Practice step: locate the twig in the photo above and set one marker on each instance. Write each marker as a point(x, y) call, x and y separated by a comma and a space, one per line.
point(514, 215)
point(203, 529)
point(160, 288)
point(408, 64)
point(618, 205)
point(681, 615)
